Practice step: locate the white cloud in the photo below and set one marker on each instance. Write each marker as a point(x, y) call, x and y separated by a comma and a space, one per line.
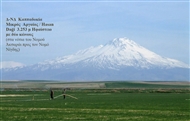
point(10, 64)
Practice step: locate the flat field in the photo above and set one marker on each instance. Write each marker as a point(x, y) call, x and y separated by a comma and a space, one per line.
point(114, 101)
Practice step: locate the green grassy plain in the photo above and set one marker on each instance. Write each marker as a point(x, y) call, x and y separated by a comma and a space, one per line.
point(114, 102)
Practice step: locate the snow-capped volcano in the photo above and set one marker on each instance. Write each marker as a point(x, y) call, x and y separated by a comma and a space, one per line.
point(119, 59)
point(117, 53)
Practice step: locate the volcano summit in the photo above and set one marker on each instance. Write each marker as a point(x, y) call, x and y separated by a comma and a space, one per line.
point(119, 59)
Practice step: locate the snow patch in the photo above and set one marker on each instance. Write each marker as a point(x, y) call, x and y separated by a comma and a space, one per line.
point(11, 64)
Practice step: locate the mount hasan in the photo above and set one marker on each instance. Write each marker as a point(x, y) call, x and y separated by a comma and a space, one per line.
point(119, 59)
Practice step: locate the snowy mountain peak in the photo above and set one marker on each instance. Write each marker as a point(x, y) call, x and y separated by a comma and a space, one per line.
point(120, 52)
point(118, 42)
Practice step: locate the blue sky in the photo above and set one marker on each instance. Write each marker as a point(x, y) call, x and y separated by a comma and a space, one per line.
point(162, 27)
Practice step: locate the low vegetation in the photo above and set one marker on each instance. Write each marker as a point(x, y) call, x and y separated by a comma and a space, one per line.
point(115, 102)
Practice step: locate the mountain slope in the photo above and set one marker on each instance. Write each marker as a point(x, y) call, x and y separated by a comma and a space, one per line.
point(120, 59)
